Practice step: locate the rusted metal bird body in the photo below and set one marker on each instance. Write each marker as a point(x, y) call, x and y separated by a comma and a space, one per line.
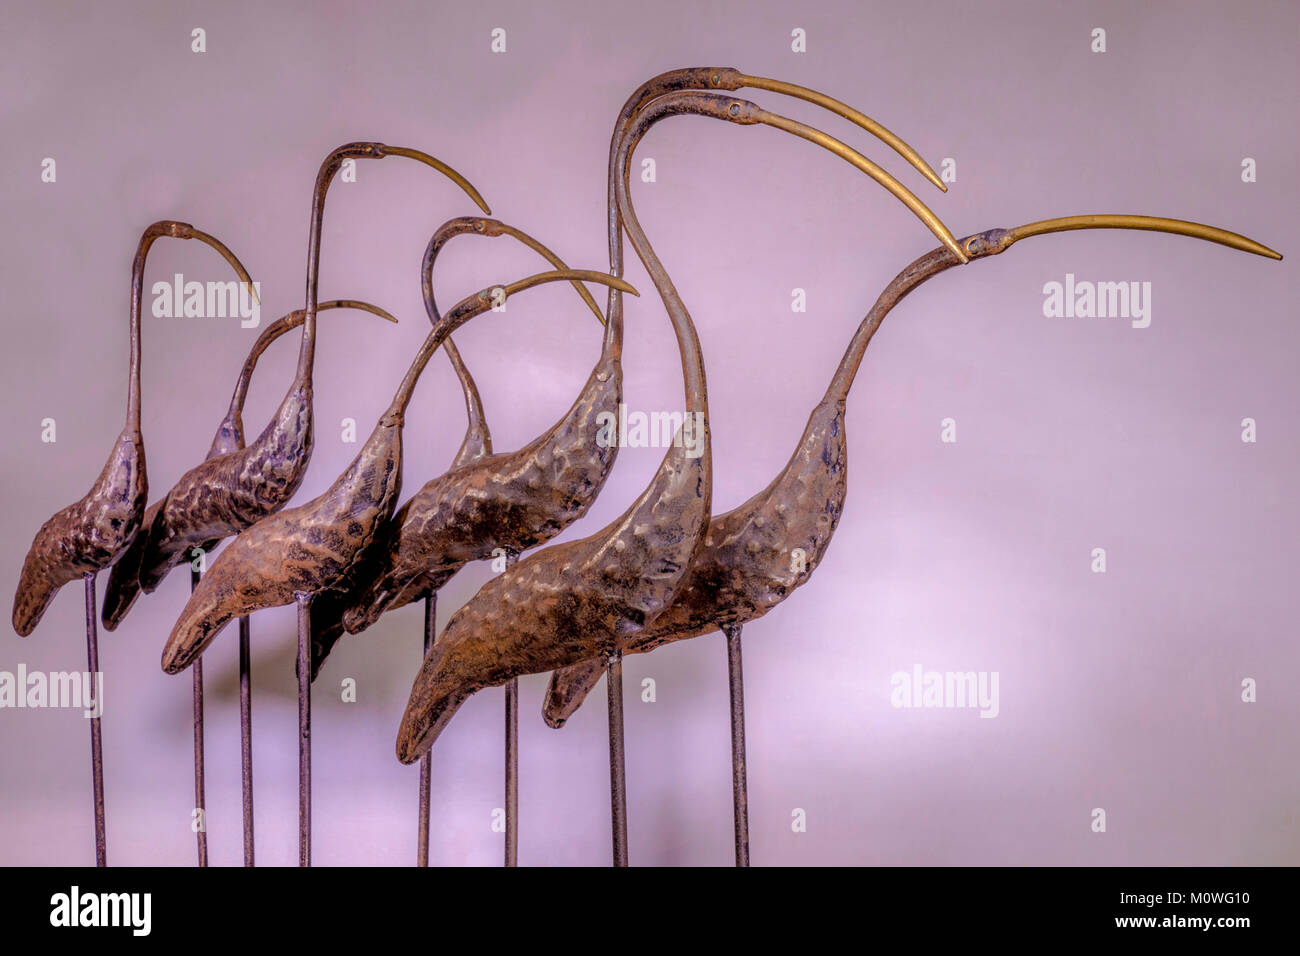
point(756, 555)
point(514, 500)
point(531, 498)
point(226, 494)
point(584, 599)
point(328, 607)
point(316, 546)
point(124, 579)
point(92, 533)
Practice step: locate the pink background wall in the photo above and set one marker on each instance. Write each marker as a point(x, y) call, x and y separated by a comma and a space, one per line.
point(1119, 691)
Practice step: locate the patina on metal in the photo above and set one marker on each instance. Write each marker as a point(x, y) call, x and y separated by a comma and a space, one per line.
point(224, 495)
point(582, 599)
point(229, 492)
point(316, 546)
point(295, 554)
point(485, 501)
point(436, 503)
point(747, 564)
point(89, 535)
point(696, 78)
point(124, 580)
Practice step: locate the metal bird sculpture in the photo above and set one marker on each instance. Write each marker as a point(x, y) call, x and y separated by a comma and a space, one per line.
point(485, 501)
point(461, 516)
point(754, 556)
point(123, 587)
point(327, 608)
point(585, 598)
point(89, 535)
point(291, 556)
point(226, 494)
point(700, 79)
point(124, 579)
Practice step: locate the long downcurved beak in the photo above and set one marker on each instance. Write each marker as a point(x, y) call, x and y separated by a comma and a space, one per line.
point(229, 256)
point(278, 328)
point(554, 260)
point(881, 132)
point(295, 318)
point(470, 306)
point(1179, 227)
point(571, 275)
point(359, 306)
point(441, 167)
point(852, 156)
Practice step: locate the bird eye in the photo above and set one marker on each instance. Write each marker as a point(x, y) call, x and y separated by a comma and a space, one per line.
point(715, 79)
point(734, 109)
point(479, 225)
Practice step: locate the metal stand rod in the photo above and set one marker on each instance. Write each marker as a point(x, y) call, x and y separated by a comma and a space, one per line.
point(617, 769)
point(426, 765)
point(512, 760)
point(246, 735)
point(512, 772)
point(96, 741)
point(739, 790)
point(304, 728)
point(200, 799)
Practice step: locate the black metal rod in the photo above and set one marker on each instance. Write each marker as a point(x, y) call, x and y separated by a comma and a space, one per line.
point(512, 772)
point(426, 765)
point(739, 788)
point(246, 735)
point(617, 768)
point(200, 798)
point(304, 728)
point(512, 759)
point(96, 741)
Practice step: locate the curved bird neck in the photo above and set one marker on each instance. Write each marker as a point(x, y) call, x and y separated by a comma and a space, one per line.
point(612, 344)
point(307, 351)
point(688, 341)
point(656, 86)
point(137, 298)
point(926, 267)
point(397, 409)
point(478, 439)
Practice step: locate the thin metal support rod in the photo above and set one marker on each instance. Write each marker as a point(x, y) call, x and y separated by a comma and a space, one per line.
point(739, 789)
point(304, 728)
point(512, 759)
point(426, 762)
point(246, 735)
point(617, 768)
point(200, 798)
point(96, 740)
point(512, 772)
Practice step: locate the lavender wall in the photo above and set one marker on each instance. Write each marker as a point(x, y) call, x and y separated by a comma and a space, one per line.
point(1119, 690)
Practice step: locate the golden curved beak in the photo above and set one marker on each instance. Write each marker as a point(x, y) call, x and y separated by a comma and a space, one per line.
point(556, 261)
point(1178, 227)
point(230, 257)
point(853, 157)
point(570, 275)
point(358, 305)
point(881, 132)
point(443, 168)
